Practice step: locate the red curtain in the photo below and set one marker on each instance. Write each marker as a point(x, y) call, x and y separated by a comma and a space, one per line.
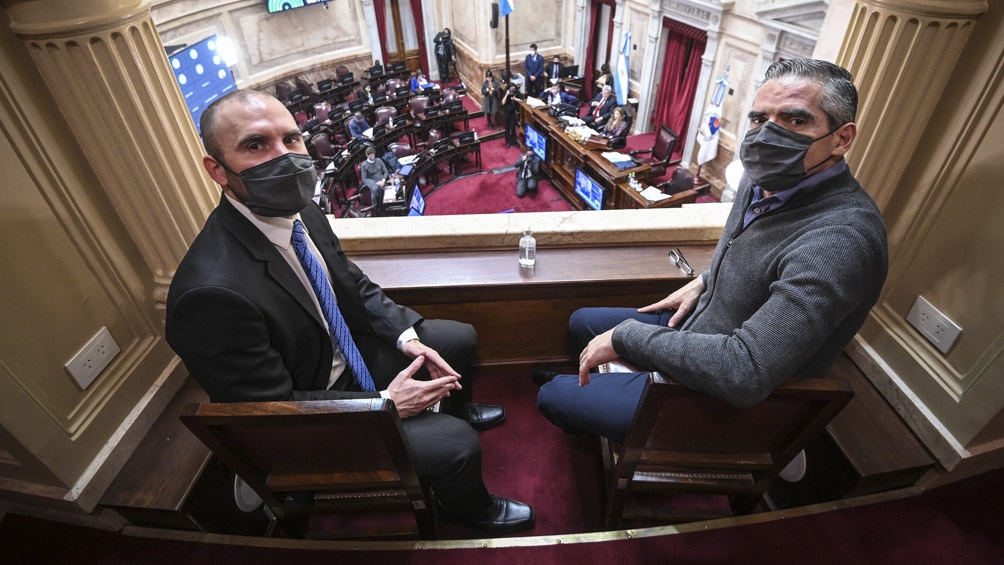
point(680, 73)
point(587, 67)
point(381, 17)
point(423, 57)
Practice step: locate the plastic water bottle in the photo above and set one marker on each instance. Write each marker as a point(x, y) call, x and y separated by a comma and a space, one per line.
point(527, 249)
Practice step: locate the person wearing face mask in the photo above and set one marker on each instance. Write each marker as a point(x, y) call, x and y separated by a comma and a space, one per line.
point(801, 262)
point(265, 306)
point(374, 174)
point(533, 66)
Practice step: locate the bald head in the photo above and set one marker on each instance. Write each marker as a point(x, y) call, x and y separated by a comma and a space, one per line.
point(210, 124)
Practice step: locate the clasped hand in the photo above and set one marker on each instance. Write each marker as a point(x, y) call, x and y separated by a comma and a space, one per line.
point(411, 396)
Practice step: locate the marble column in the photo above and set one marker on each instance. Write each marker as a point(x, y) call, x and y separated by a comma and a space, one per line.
point(581, 32)
point(901, 54)
point(105, 65)
point(648, 76)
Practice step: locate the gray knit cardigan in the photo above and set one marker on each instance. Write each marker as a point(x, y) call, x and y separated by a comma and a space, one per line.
point(782, 298)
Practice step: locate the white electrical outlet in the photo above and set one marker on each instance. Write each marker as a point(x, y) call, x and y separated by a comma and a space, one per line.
point(934, 325)
point(92, 358)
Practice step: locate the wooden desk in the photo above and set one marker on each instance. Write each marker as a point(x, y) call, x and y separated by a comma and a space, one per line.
point(521, 315)
point(564, 156)
point(629, 199)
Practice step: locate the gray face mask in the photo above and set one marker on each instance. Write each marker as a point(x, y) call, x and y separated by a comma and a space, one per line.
point(280, 187)
point(774, 158)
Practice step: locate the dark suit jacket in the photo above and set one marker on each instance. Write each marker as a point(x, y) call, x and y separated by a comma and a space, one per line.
point(534, 65)
point(549, 69)
point(245, 325)
point(606, 109)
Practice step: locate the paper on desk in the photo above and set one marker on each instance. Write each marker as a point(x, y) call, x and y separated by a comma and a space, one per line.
point(653, 194)
point(368, 134)
point(615, 157)
point(535, 102)
point(407, 159)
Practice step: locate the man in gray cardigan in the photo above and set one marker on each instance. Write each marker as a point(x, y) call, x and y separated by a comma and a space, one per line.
point(799, 265)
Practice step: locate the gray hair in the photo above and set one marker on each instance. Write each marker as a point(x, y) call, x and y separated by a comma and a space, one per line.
point(840, 97)
point(607, 88)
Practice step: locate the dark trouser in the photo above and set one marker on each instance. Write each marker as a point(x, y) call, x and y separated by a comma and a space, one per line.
point(376, 194)
point(510, 128)
point(443, 448)
point(526, 184)
point(607, 405)
point(444, 68)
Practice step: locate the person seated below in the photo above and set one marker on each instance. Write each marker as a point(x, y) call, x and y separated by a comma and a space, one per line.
point(358, 126)
point(556, 95)
point(419, 82)
point(527, 173)
point(374, 174)
point(600, 108)
point(616, 126)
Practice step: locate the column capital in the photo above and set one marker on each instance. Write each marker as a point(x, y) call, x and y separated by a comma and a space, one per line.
point(35, 18)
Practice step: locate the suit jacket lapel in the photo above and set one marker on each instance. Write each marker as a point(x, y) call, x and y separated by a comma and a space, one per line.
point(263, 250)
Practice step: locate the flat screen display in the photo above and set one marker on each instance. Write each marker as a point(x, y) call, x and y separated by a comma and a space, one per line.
point(417, 205)
point(202, 75)
point(589, 190)
point(280, 5)
point(537, 142)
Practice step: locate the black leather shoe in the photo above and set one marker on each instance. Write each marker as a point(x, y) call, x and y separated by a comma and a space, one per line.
point(543, 376)
point(481, 416)
point(502, 516)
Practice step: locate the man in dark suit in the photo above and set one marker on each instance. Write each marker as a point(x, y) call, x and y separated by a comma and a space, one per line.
point(246, 317)
point(600, 108)
point(527, 173)
point(534, 68)
point(553, 69)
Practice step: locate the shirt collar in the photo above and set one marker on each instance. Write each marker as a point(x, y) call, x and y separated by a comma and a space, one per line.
point(278, 230)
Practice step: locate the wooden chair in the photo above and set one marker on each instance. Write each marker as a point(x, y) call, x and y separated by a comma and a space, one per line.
point(318, 458)
point(282, 91)
point(681, 180)
point(685, 442)
point(661, 153)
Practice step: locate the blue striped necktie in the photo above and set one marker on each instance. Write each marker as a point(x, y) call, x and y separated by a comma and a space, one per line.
point(326, 298)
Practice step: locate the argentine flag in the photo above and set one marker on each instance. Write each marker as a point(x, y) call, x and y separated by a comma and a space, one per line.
point(711, 123)
point(505, 7)
point(623, 72)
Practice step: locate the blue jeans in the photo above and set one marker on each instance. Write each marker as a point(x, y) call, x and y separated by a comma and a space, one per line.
point(607, 405)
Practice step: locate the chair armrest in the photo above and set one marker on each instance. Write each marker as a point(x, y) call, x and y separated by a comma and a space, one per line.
point(638, 152)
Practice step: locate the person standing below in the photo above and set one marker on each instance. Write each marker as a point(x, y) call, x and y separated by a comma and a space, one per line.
point(527, 173)
point(510, 113)
point(445, 54)
point(801, 262)
point(534, 68)
point(490, 100)
point(358, 126)
point(265, 306)
point(600, 108)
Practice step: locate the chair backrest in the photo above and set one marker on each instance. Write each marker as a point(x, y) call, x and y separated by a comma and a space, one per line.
point(321, 111)
point(400, 149)
point(282, 91)
point(304, 86)
point(418, 104)
point(341, 70)
point(318, 457)
point(665, 141)
point(322, 144)
point(681, 180)
point(393, 84)
point(684, 441)
point(434, 136)
point(574, 90)
point(384, 114)
point(450, 95)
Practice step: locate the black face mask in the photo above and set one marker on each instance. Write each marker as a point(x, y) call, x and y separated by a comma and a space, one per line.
point(280, 187)
point(774, 158)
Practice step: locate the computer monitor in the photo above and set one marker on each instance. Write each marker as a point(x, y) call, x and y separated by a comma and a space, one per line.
point(202, 75)
point(398, 66)
point(325, 85)
point(466, 137)
point(537, 142)
point(570, 71)
point(356, 105)
point(376, 71)
point(402, 91)
point(346, 78)
point(416, 207)
point(589, 190)
point(379, 129)
point(379, 97)
point(454, 107)
point(431, 111)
